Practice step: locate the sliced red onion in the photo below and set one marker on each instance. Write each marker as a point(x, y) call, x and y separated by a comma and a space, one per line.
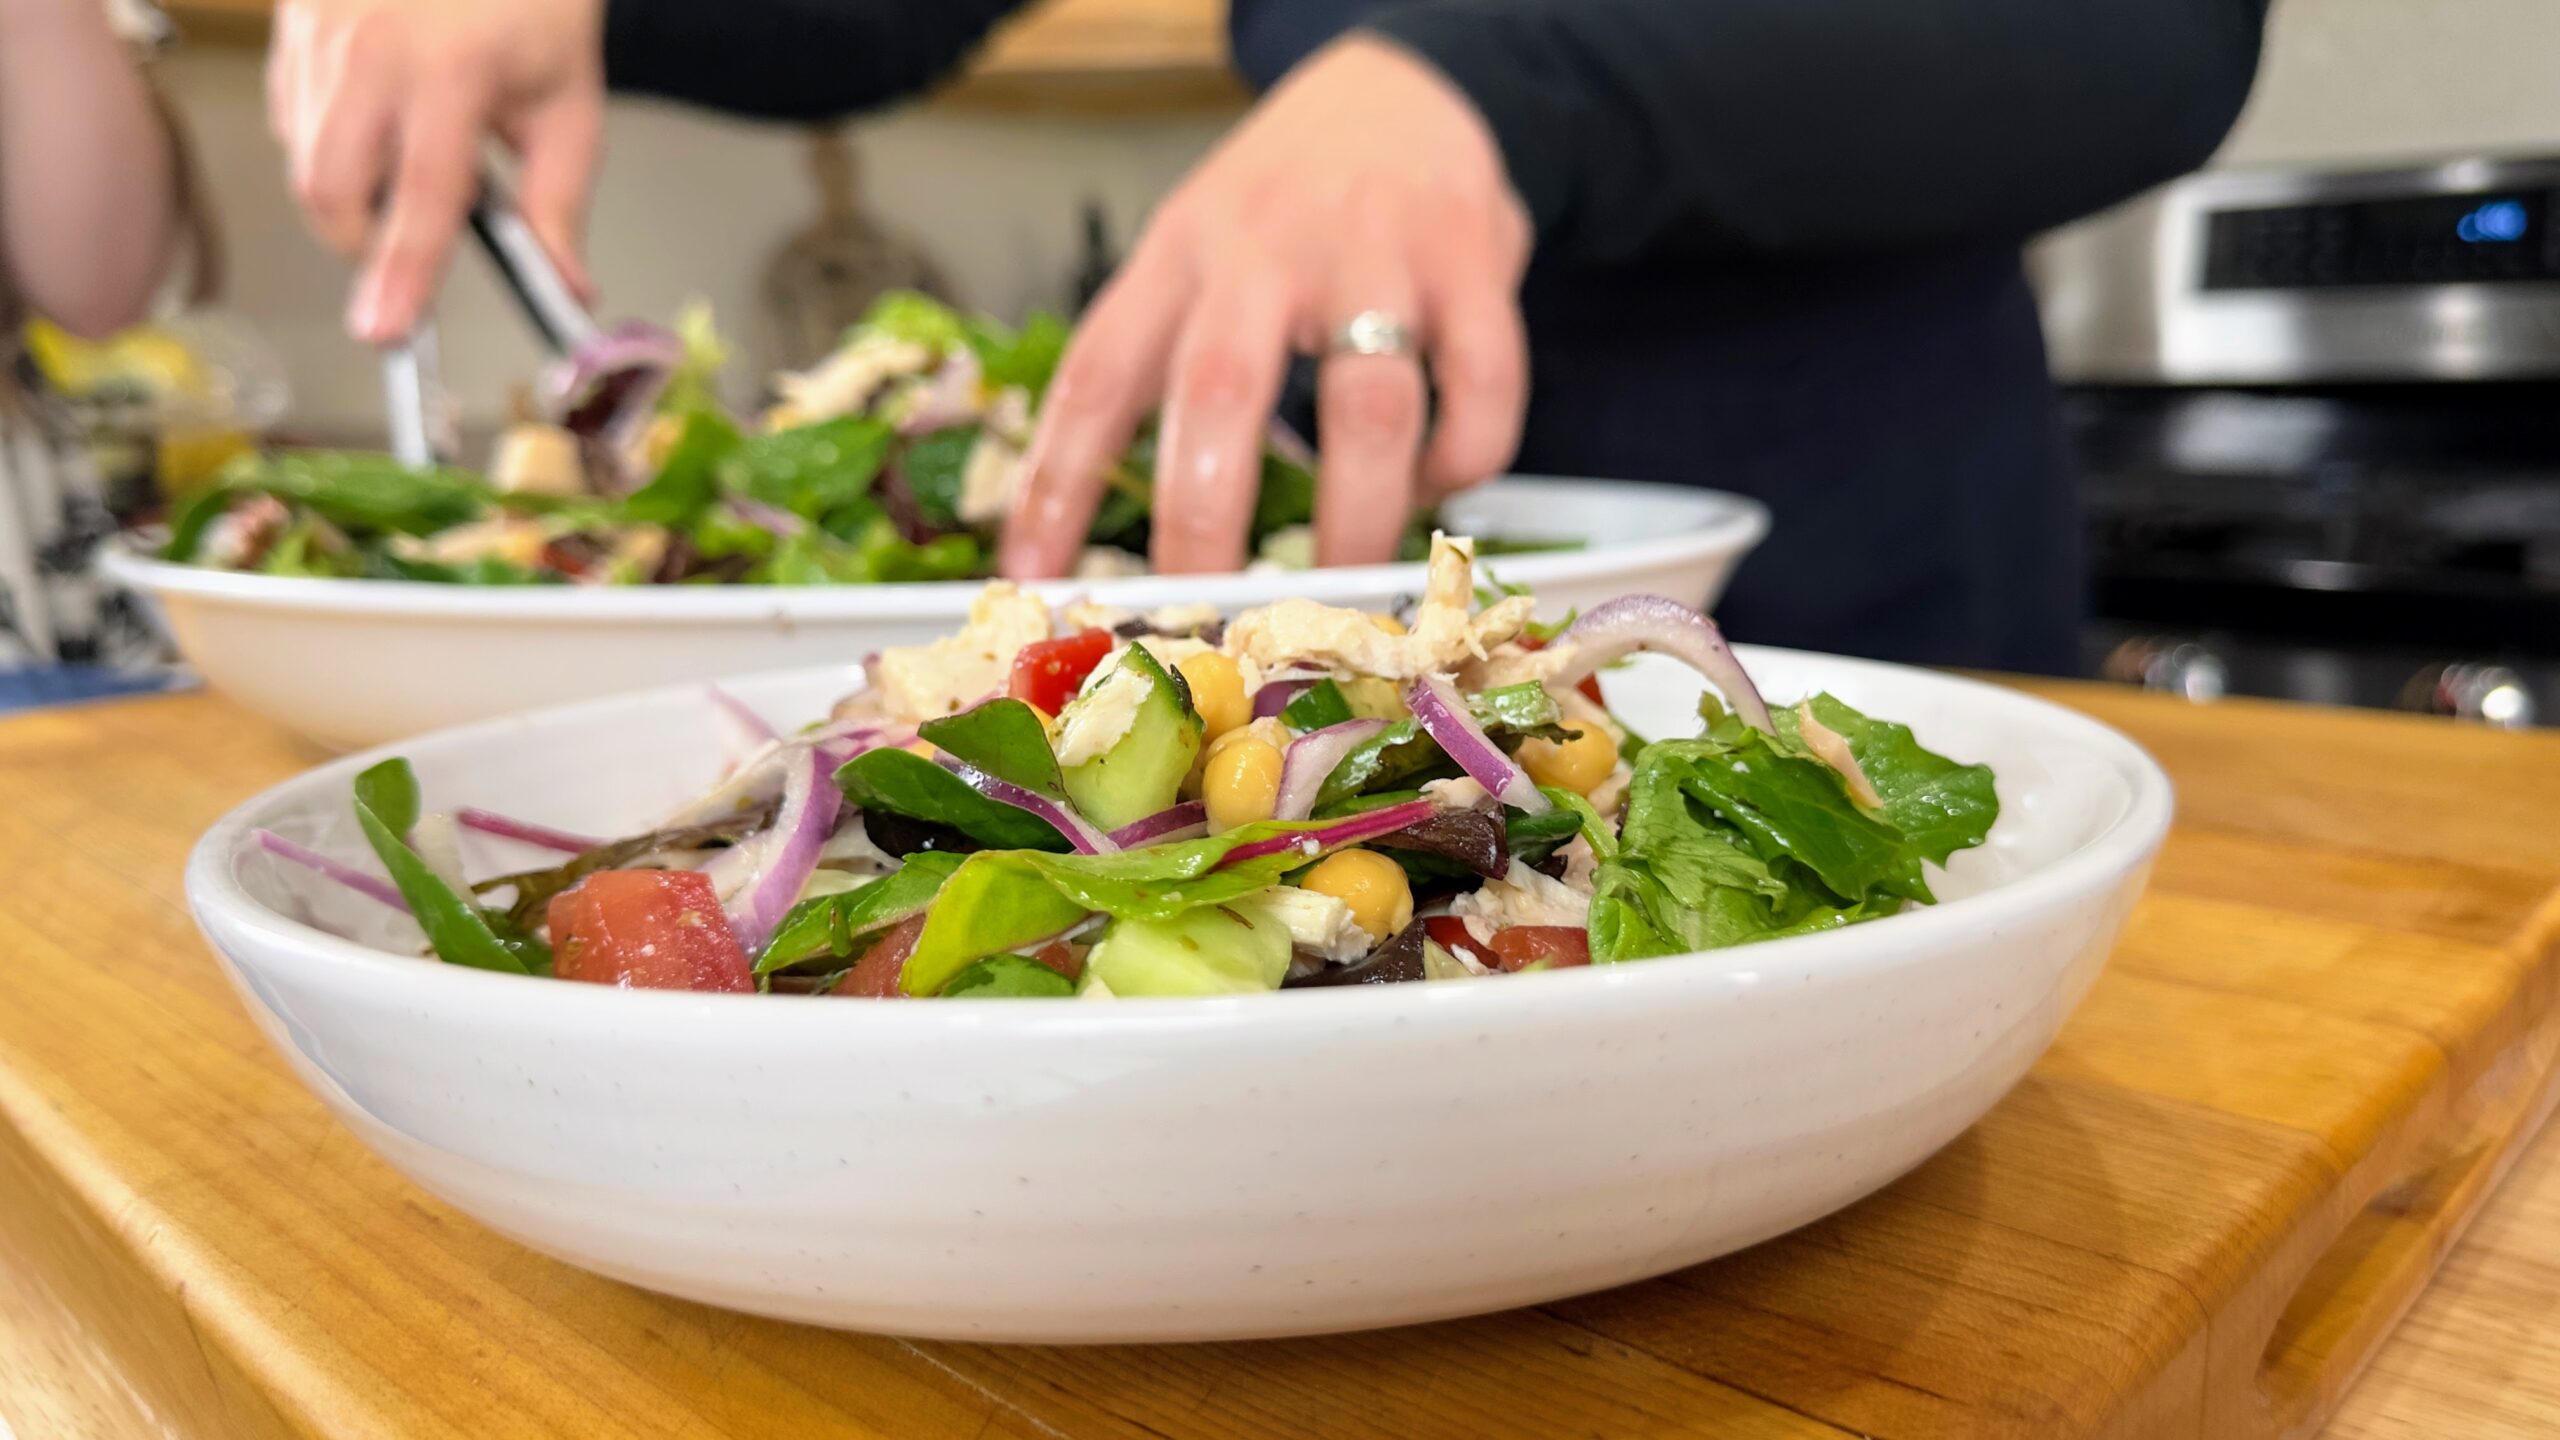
point(1186, 821)
point(742, 718)
point(948, 397)
point(1275, 696)
point(771, 519)
point(1310, 760)
point(609, 387)
point(1349, 830)
point(1289, 445)
point(1443, 715)
point(489, 822)
point(1079, 831)
point(1618, 628)
point(372, 887)
point(777, 863)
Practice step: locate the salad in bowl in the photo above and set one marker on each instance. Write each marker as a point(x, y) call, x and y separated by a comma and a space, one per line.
point(891, 461)
point(1091, 803)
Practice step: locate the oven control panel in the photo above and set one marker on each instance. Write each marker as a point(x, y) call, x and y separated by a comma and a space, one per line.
point(2480, 237)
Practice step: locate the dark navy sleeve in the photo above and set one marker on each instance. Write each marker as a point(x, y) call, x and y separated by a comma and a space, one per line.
point(791, 59)
point(1648, 126)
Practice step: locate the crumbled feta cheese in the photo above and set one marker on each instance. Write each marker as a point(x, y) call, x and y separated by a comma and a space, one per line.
point(1102, 714)
point(1317, 923)
point(1521, 897)
point(922, 682)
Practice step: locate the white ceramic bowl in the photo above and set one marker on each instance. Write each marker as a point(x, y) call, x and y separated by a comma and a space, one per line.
point(1182, 1169)
point(359, 662)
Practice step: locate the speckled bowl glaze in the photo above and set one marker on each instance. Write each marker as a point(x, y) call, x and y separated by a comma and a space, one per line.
point(359, 662)
point(1181, 1169)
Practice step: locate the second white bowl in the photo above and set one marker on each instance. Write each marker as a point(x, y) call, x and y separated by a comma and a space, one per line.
point(359, 662)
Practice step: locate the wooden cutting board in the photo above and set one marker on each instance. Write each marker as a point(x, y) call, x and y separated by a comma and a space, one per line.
point(2322, 1041)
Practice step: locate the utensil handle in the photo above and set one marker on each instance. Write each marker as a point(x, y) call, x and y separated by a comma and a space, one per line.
point(413, 400)
point(521, 261)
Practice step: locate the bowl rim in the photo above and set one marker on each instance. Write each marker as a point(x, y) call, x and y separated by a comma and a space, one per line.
point(1721, 522)
point(223, 907)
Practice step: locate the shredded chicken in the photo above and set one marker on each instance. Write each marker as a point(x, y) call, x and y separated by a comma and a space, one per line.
point(845, 381)
point(1446, 630)
point(922, 682)
point(1832, 748)
point(1521, 897)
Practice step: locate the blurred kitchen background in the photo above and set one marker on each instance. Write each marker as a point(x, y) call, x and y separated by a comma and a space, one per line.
point(2319, 442)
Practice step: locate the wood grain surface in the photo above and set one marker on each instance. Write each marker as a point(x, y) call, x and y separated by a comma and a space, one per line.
point(2320, 1046)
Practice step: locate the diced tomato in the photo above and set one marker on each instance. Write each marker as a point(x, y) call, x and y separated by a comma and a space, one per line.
point(875, 976)
point(1047, 673)
point(556, 556)
point(1061, 957)
point(647, 929)
point(1451, 934)
point(1589, 685)
point(1550, 947)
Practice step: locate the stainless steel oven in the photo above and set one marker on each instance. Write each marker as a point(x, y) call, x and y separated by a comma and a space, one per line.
point(2317, 419)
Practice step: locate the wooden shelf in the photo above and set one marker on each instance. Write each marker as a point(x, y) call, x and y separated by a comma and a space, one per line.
point(1083, 56)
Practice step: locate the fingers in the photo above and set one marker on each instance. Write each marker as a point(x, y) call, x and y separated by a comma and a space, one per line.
point(433, 191)
point(1111, 374)
point(1480, 369)
point(558, 147)
point(341, 141)
point(1369, 410)
point(1218, 401)
point(284, 67)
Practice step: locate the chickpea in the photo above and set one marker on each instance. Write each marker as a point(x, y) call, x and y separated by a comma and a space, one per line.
point(1242, 783)
point(1267, 730)
point(1578, 765)
point(1217, 692)
point(1387, 622)
point(1371, 884)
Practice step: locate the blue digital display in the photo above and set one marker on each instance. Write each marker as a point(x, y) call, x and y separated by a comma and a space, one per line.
point(2495, 222)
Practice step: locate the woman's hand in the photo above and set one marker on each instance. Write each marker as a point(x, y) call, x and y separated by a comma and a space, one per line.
point(1363, 183)
point(382, 105)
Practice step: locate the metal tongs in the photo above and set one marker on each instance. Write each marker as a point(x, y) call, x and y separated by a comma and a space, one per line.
point(611, 378)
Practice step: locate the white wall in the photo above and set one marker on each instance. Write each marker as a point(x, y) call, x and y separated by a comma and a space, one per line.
point(689, 205)
point(2351, 81)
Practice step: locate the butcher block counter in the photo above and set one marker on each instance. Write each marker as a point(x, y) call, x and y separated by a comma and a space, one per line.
point(2308, 1082)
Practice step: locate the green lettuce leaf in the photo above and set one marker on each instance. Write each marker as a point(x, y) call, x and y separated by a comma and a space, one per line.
point(1315, 707)
point(460, 933)
point(914, 317)
point(1027, 357)
point(1008, 977)
point(1003, 737)
point(908, 784)
point(842, 925)
point(689, 480)
point(1939, 806)
point(810, 470)
point(934, 466)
